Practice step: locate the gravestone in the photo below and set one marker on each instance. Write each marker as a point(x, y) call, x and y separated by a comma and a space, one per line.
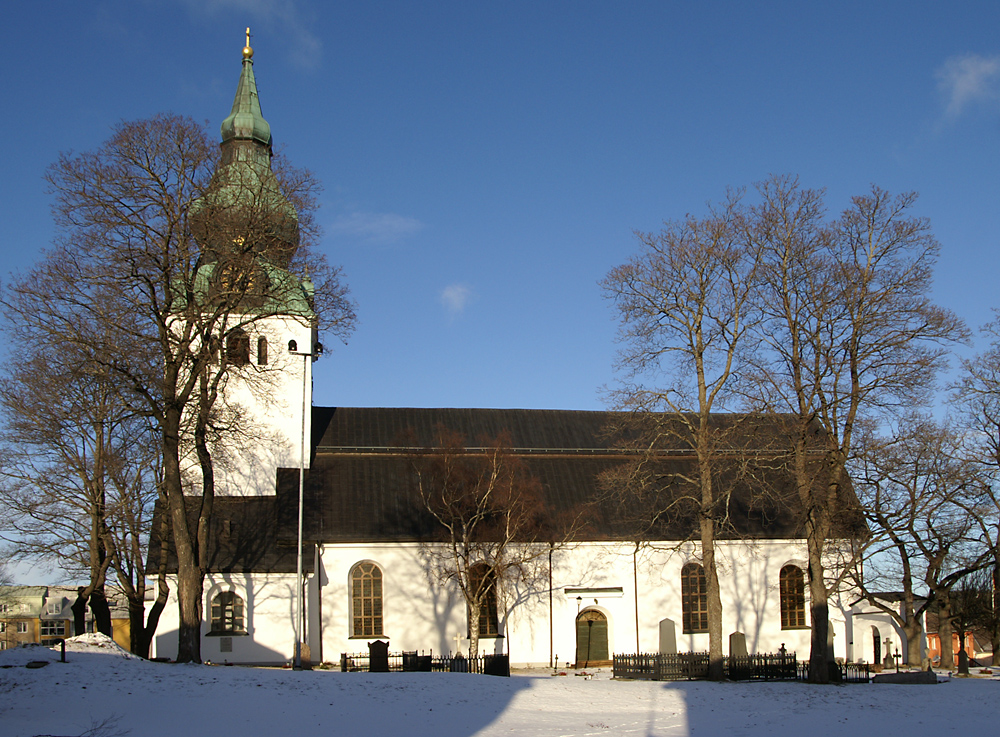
point(668, 637)
point(738, 645)
point(378, 657)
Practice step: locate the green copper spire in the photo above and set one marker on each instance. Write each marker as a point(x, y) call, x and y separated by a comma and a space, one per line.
point(246, 122)
point(244, 212)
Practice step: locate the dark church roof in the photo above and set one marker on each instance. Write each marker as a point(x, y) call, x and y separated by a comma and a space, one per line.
point(360, 486)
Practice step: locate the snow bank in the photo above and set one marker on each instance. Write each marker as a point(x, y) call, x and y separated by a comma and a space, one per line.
point(100, 683)
point(89, 644)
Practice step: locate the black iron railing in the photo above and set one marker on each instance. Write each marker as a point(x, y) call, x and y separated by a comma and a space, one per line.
point(416, 662)
point(691, 666)
point(780, 666)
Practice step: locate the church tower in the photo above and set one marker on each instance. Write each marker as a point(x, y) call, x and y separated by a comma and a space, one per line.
point(248, 234)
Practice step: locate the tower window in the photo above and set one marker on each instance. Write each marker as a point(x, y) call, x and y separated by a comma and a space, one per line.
point(238, 347)
point(262, 351)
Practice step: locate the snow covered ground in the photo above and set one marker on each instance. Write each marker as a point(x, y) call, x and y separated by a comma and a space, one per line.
point(102, 691)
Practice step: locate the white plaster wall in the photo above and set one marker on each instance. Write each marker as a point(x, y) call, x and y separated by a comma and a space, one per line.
point(265, 403)
point(269, 601)
point(422, 612)
point(863, 618)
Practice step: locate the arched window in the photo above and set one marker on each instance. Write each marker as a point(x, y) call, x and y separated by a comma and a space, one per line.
point(262, 351)
point(366, 600)
point(238, 347)
point(792, 593)
point(227, 613)
point(481, 585)
point(694, 598)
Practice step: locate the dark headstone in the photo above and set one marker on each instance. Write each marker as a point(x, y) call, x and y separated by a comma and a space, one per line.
point(409, 661)
point(378, 657)
point(496, 665)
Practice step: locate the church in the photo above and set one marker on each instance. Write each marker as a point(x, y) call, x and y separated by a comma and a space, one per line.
point(353, 561)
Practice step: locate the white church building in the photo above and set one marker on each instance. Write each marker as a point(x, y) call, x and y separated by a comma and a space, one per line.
point(367, 550)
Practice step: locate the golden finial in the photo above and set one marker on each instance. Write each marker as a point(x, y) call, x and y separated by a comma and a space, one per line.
point(247, 51)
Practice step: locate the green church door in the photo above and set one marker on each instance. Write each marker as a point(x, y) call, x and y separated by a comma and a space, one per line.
point(592, 640)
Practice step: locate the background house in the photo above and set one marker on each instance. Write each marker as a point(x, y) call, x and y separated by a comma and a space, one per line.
point(43, 614)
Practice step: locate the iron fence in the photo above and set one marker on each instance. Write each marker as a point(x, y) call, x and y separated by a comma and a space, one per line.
point(692, 666)
point(419, 662)
point(661, 667)
point(780, 666)
point(840, 672)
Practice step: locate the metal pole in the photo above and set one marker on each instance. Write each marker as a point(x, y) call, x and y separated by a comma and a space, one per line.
point(299, 604)
point(298, 563)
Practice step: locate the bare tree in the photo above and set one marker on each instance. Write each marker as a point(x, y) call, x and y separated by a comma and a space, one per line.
point(917, 492)
point(685, 304)
point(977, 392)
point(79, 473)
point(169, 252)
point(494, 522)
point(849, 332)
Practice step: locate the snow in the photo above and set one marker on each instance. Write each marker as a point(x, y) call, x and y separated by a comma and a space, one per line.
point(103, 691)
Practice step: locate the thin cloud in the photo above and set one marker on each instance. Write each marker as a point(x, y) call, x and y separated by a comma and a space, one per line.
point(283, 16)
point(967, 80)
point(376, 227)
point(455, 298)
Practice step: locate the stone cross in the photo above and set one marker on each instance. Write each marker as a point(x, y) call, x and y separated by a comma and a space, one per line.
point(458, 643)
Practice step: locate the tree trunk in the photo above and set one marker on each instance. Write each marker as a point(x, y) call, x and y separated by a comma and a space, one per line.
point(137, 642)
point(473, 633)
point(153, 618)
point(79, 609)
point(715, 664)
point(819, 661)
point(142, 638)
point(945, 633)
point(995, 600)
point(995, 620)
point(913, 630)
point(189, 577)
point(101, 610)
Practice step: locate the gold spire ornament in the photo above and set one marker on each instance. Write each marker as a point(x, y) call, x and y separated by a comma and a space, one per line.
point(247, 51)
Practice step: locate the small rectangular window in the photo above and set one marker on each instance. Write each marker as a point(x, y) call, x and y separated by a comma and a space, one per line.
point(22, 628)
point(53, 607)
point(53, 628)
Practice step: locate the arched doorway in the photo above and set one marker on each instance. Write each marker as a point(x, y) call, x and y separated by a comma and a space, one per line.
point(592, 640)
point(877, 646)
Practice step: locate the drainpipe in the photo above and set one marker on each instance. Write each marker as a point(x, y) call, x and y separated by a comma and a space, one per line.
point(635, 582)
point(551, 641)
point(319, 602)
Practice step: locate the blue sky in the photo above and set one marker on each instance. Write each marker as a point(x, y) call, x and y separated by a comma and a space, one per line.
point(486, 163)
